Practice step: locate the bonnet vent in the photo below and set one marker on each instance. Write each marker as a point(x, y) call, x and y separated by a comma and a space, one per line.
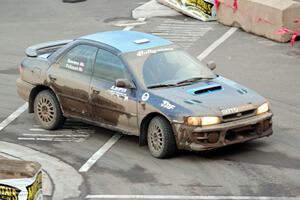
point(205, 89)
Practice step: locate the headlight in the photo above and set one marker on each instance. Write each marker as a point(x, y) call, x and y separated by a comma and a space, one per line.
point(203, 121)
point(262, 109)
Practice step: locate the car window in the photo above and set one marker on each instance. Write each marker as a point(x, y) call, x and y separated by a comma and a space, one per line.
point(109, 67)
point(165, 65)
point(80, 58)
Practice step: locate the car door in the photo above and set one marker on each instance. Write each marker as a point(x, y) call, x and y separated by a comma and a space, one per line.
point(70, 79)
point(113, 106)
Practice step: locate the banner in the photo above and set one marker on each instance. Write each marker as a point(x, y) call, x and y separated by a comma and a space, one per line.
point(22, 189)
point(204, 10)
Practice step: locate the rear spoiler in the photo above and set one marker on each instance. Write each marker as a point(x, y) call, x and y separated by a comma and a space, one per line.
point(38, 49)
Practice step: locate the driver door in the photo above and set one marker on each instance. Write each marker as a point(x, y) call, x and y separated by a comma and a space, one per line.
point(112, 106)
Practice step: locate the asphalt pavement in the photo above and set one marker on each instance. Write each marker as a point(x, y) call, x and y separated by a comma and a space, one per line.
point(268, 167)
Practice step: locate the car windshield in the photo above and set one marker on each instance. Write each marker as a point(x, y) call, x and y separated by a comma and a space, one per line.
point(167, 67)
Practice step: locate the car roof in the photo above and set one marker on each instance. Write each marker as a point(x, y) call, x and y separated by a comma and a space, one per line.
point(127, 41)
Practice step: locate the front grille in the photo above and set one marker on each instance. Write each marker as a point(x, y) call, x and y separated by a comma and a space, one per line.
point(239, 115)
point(241, 133)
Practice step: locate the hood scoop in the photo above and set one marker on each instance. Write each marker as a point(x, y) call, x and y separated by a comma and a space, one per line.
point(205, 89)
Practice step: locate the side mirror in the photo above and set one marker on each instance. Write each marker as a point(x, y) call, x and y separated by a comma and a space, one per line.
point(211, 65)
point(124, 83)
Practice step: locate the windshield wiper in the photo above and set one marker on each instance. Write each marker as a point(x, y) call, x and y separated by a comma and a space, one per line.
point(162, 85)
point(192, 80)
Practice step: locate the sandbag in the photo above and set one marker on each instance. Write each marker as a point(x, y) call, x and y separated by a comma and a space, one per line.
point(204, 10)
point(263, 18)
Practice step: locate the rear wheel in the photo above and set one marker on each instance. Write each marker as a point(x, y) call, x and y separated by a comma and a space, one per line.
point(47, 110)
point(161, 140)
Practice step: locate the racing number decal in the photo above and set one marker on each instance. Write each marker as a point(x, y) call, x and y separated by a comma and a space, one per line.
point(145, 96)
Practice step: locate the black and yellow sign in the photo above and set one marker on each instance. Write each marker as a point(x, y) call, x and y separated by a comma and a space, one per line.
point(202, 5)
point(35, 187)
point(9, 193)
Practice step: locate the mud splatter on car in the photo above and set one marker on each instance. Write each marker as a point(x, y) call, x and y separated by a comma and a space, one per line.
point(144, 85)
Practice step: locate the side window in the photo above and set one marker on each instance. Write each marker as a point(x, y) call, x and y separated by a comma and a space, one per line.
point(109, 67)
point(80, 59)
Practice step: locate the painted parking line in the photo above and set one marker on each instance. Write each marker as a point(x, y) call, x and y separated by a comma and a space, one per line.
point(217, 43)
point(184, 33)
point(98, 154)
point(13, 116)
point(37, 129)
point(55, 135)
point(171, 197)
point(63, 135)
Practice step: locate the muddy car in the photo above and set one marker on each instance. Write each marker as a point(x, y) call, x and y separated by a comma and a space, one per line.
point(140, 84)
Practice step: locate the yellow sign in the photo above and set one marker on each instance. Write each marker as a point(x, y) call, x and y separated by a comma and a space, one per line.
point(9, 193)
point(35, 187)
point(204, 6)
point(204, 10)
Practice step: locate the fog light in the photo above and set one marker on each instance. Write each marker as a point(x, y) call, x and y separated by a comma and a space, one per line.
point(266, 125)
point(213, 137)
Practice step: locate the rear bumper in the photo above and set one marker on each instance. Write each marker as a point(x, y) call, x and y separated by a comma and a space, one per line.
point(24, 89)
point(216, 136)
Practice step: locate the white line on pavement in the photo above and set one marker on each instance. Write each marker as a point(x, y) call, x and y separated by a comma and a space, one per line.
point(55, 135)
point(188, 197)
point(78, 139)
point(37, 129)
point(13, 116)
point(26, 138)
point(98, 154)
point(217, 43)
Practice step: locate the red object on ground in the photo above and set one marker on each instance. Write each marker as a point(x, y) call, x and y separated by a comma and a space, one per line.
point(297, 21)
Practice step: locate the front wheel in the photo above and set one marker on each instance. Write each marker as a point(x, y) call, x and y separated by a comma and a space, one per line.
point(47, 110)
point(161, 140)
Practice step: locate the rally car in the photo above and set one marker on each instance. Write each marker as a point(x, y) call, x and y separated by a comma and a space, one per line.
point(143, 85)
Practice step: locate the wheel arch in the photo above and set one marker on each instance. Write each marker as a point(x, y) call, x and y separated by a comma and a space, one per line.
point(34, 92)
point(144, 126)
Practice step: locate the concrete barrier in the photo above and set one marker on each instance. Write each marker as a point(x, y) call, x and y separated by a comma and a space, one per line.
point(263, 18)
point(20, 180)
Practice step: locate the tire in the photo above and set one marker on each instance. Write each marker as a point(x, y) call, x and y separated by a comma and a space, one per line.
point(160, 138)
point(47, 110)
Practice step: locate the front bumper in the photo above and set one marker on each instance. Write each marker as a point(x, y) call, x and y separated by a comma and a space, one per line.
point(215, 136)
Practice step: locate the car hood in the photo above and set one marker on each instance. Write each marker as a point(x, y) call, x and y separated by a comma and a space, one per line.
point(210, 97)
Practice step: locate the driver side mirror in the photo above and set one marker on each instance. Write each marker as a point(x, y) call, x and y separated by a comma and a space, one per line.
point(211, 65)
point(124, 83)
